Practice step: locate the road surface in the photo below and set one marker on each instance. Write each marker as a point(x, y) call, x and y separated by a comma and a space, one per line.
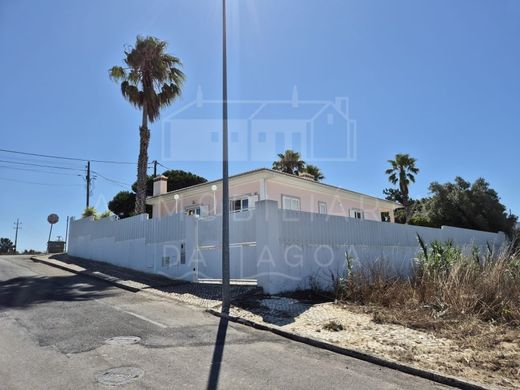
point(55, 328)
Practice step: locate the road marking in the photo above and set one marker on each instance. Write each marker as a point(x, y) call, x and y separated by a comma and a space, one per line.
point(145, 319)
point(134, 314)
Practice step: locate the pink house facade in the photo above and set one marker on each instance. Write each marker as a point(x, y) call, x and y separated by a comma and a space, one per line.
point(290, 191)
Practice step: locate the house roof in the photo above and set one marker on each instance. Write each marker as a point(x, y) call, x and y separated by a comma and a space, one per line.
point(279, 174)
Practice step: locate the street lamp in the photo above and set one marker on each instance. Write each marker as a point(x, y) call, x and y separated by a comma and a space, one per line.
point(176, 197)
point(225, 178)
point(214, 189)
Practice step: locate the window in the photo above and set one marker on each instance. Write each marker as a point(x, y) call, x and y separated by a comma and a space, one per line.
point(322, 207)
point(290, 203)
point(234, 136)
point(330, 119)
point(195, 210)
point(243, 203)
point(356, 213)
point(214, 136)
point(262, 137)
point(385, 216)
point(237, 205)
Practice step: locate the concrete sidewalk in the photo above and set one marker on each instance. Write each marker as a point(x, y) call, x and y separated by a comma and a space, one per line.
point(199, 294)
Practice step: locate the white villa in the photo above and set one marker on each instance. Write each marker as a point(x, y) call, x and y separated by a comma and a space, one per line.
point(292, 192)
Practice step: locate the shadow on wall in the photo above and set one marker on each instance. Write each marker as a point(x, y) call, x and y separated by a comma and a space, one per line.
point(24, 292)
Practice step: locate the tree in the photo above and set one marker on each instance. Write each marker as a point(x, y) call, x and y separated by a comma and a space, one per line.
point(123, 202)
point(151, 81)
point(289, 162)
point(6, 245)
point(466, 205)
point(177, 179)
point(315, 171)
point(403, 171)
point(394, 194)
point(89, 212)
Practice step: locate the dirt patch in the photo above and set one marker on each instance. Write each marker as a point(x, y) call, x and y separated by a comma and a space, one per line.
point(478, 351)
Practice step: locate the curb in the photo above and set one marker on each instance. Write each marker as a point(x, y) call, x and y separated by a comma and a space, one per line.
point(112, 280)
point(430, 375)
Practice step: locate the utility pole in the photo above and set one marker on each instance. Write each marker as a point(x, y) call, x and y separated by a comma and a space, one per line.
point(154, 168)
point(225, 179)
point(16, 227)
point(88, 184)
point(67, 234)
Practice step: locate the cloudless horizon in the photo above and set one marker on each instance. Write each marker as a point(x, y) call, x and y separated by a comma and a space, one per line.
point(436, 79)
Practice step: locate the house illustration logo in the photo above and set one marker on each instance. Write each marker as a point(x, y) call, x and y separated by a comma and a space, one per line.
point(259, 129)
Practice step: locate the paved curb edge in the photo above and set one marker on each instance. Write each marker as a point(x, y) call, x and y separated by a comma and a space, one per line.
point(430, 375)
point(113, 281)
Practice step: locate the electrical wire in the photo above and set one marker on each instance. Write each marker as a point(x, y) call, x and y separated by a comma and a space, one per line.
point(42, 184)
point(41, 165)
point(39, 171)
point(114, 181)
point(67, 158)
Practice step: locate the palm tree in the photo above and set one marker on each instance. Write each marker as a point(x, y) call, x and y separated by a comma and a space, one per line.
point(315, 171)
point(289, 162)
point(403, 170)
point(150, 81)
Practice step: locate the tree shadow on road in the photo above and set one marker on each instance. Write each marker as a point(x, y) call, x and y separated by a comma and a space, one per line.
point(218, 352)
point(23, 292)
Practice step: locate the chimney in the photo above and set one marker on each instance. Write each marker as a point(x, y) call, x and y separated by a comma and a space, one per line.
point(160, 185)
point(306, 176)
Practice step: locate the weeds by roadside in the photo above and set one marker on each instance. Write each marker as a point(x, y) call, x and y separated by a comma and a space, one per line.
point(445, 284)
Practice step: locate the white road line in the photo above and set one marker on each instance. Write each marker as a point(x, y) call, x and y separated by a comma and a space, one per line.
point(134, 314)
point(145, 319)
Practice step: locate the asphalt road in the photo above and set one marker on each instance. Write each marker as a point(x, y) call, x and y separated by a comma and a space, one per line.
point(54, 328)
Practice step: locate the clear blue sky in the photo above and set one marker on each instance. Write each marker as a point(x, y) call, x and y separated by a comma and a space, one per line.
point(437, 79)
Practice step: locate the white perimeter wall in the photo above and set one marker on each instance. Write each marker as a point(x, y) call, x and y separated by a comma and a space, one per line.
point(284, 250)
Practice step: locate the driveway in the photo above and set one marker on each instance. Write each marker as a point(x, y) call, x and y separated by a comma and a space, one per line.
point(57, 330)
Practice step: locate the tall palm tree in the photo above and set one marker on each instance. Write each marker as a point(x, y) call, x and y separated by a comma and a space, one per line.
point(150, 81)
point(403, 170)
point(315, 171)
point(289, 162)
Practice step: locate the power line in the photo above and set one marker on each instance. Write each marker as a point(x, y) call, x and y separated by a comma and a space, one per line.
point(43, 184)
point(40, 165)
point(164, 166)
point(39, 171)
point(120, 183)
point(67, 158)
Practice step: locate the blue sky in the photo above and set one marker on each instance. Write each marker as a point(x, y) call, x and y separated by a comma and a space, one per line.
point(436, 79)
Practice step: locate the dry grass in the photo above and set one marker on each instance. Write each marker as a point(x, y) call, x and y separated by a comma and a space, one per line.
point(450, 289)
point(473, 301)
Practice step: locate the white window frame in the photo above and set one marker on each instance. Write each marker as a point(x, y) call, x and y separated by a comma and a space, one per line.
point(250, 200)
point(357, 214)
point(193, 210)
point(294, 202)
point(321, 205)
point(198, 210)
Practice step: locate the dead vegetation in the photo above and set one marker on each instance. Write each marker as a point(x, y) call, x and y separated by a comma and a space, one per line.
point(472, 300)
